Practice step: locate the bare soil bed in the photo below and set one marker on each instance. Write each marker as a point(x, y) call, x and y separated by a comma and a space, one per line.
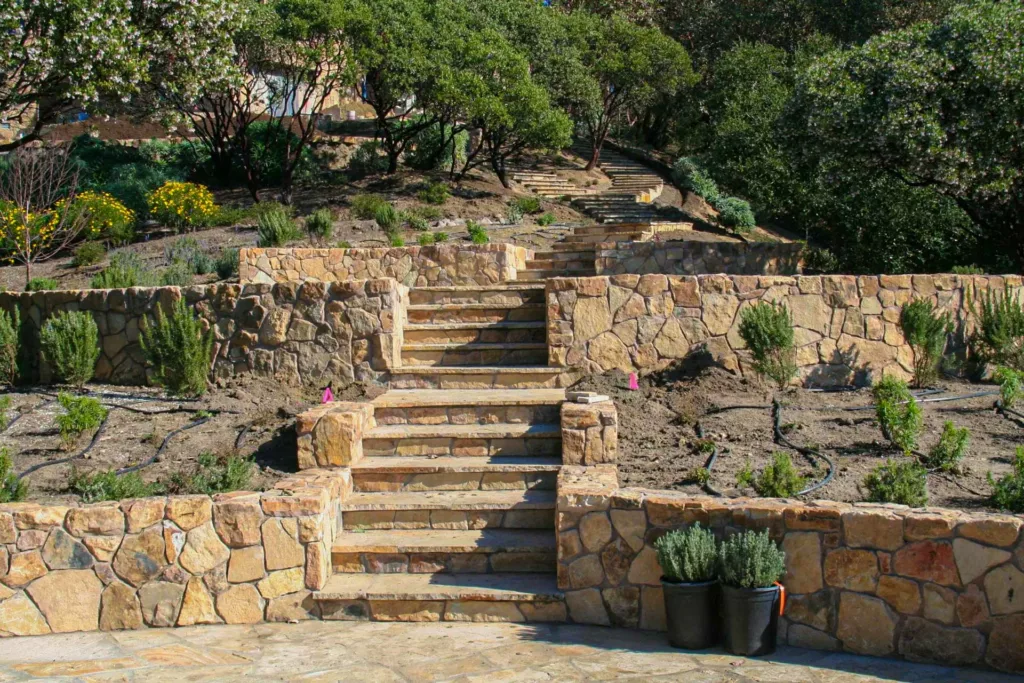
point(658, 443)
point(248, 417)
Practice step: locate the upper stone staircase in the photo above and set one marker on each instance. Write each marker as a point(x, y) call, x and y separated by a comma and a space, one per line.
point(631, 195)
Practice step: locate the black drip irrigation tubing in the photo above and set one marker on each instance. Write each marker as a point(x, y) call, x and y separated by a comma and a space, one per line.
point(156, 456)
point(242, 434)
point(23, 413)
point(95, 438)
point(709, 464)
point(809, 452)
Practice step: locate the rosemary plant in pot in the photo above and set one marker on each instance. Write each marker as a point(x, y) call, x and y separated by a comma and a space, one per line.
point(688, 560)
point(750, 564)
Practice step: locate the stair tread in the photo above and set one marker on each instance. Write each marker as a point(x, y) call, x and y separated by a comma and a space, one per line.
point(504, 286)
point(417, 398)
point(445, 541)
point(476, 369)
point(476, 587)
point(531, 499)
point(500, 325)
point(467, 431)
point(420, 464)
point(472, 306)
point(472, 346)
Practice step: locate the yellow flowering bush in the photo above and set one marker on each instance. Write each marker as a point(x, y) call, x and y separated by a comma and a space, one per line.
point(25, 231)
point(182, 205)
point(101, 215)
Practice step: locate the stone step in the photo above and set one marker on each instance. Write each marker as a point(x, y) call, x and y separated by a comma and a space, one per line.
point(464, 440)
point(503, 332)
point(472, 354)
point(560, 263)
point(441, 551)
point(510, 293)
point(538, 275)
point(442, 597)
point(579, 254)
point(489, 377)
point(598, 239)
point(500, 473)
point(517, 509)
point(439, 406)
point(440, 313)
point(564, 246)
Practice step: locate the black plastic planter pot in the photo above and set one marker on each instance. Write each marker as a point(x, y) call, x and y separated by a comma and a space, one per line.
point(691, 610)
point(750, 620)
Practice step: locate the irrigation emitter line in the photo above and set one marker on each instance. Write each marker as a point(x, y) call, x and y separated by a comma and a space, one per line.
point(156, 456)
point(92, 442)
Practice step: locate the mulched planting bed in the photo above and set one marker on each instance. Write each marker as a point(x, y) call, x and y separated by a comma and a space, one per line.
point(658, 443)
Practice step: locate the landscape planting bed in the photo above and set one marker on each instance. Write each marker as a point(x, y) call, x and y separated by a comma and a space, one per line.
point(658, 443)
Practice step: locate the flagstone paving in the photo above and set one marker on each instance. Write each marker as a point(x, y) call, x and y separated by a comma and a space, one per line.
point(414, 653)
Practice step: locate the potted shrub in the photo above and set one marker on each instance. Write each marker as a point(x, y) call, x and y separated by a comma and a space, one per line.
point(688, 560)
point(749, 566)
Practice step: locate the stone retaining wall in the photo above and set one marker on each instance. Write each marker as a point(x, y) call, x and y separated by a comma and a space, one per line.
point(695, 258)
point(440, 264)
point(309, 332)
point(847, 327)
point(235, 558)
point(884, 580)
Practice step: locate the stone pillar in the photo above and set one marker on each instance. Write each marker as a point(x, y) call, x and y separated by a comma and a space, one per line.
point(331, 434)
point(590, 433)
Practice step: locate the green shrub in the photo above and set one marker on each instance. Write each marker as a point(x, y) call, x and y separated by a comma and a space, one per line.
point(343, 244)
point(275, 228)
point(364, 206)
point(367, 160)
point(689, 175)
point(968, 270)
point(386, 217)
point(1011, 383)
point(396, 240)
point(413, 221)
point(435, 193)
point(904, 482)
point(440, 237)
point(41, 284)
point(427, 213)
point(5, 409)
point(700, 476)
point(767, 329)
point(779, 479)
point(898, 414)
point(216, 475)
point(126, 269)
point(513, 214)
point(188, 251)
point(426, 239)
point(70, 344)
point(689, 555)
point(477, 234)
point(427, 154)
point(745, 477)
point(178, 351)
point(12, 489)
point(925, 330)
point(820, 260)
point(320, 225)
point(230, 216)
point(81, 414)
point(951, 448)
point(750, 560)
point(88, 254)
point(184, 206)
point(528, 205)
point(1008, 491)
point(546, 219)
point(227, 264)
point(736, 213)
point(10, 328)
point(96, 487)
point(1000, 335)
point(178, 274)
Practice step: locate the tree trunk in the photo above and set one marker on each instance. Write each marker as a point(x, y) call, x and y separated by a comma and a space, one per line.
point(393, 155)
point(28, 272)
point(595, 154)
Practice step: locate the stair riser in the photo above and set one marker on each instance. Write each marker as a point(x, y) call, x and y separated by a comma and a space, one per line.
point(400, 380)
point(552, 264)
point(378, 482)
point(468, 415)
point(448, 519)
point(477, 315)
point(540, 275)
point(441, 610)
point(549, 446)
point(563, 257)
point(537, 335)
point(598, 239)
point(497, 297)
point(509, 561)
point(496, 357)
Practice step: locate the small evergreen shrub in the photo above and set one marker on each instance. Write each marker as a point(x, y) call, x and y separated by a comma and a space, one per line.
point(364, 206)
point(689, 555)
point(227, 264)
point(477, 234)
point(274, 229)
point(1000, 335)
point(96, 487)
point(546, 219)
point(700, 476)
point(925, 330)
point(343, 244)
point(767, 329)
point(951, 448)
point(178, 350)
point(216, 475)
point(178, 274)
point(10, 328)
point(688, 174)
point(779, 479)
point(5, 409)
point(736, 213)
point(513, 214)
point(820, 260)
point(527, 205)
point(12, 489)
point(414, 221)
point(88, 254)
point(126, 269)
point(70, 344)
point(745, 477)
point(435, 193)
point(386, 217)
point(750, 560)
point(440, 237)
point(898, 414)
point(427, 213)
point(1008, 491)
point(903, 482)
point(426, 239)
point(189, 251)
point(81, 414)
point(367, 160)
point(1011, 382)
point(396, 241)
point(320, 226)
point(41, 284)
point(968, 270)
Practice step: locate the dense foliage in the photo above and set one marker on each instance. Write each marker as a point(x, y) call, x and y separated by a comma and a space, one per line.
point(903, 482)
point(689, 555)
point(750, 560)
point(178, 350)
point(70, 344)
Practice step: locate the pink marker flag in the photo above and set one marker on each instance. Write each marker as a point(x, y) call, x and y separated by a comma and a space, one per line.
point(633, 384)
point(328, 395)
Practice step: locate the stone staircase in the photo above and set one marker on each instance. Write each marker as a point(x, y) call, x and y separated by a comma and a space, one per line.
point(550, 185)
point(629, 199)
point(451, 516)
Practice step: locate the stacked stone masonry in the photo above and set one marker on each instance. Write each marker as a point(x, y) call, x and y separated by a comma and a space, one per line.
point(885, 580)
point(846, 327)
point(235, 558)
point(442, 264)
point(309, 332)
point(688, 257)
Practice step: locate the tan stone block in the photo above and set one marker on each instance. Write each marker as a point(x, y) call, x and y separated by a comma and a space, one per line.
point(926, 526)
point(939, 603)
point(852, 569)
point(927, 561)
point(96, 519)
point(631, 526)
point(872, 529)
point(69, 599)
point(587, 607)
point(803, 562)
point(34, 516)
point(246, 564)
point(483, 611)
point(161, 602)
point(645, 570)
point(972, 608)
point(866, 626)
point(591, 317)
point(448, 519)
point(119, 608)
point(407, 610)
point(902, 594)
point(595, 530)
point(24, 568)
point(544, 611)
point(19, 617)
point(8, 532)
point(238, 521)
point(280, 544)
point(291, 608)
point(62, 551)
point(1004, 587)
point(102, 547)
point(141, 556)
point(282, 582)
point(585, 572)
point(31, 539)
point(189, 512)
point(197, 606)
point(1000, 531)
point(143, 512)
point(974, 559)
point(921, 640)
point(203, 550)
point(240, 604)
